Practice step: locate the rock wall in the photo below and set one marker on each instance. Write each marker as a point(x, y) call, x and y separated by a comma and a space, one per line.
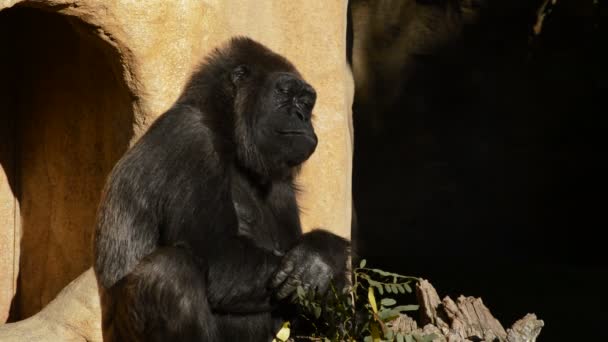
point(82, 79)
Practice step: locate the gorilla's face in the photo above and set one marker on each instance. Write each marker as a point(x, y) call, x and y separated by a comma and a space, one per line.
point(285, 127)
point(280, 119)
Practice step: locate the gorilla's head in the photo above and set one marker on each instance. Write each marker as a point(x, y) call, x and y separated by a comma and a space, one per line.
point(265, 101)
point(278, 116)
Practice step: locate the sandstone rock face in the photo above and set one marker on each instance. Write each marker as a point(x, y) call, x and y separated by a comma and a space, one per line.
point(82, 79)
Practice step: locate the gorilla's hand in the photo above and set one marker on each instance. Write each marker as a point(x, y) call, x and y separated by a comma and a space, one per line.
point(319, 258)
point(302, 267)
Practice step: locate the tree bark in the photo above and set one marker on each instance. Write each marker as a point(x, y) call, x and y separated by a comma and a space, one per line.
point(465, 320)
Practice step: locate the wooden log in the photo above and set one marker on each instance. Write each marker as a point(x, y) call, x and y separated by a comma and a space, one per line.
point(465, 320)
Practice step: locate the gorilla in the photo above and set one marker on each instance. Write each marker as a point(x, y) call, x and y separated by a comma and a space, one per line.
point(198, 236)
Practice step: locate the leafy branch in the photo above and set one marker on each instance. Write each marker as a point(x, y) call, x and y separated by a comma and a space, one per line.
point(356, 313)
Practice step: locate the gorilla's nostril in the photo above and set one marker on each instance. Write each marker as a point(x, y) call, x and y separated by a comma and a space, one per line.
point(297, 111)
point(300, 115)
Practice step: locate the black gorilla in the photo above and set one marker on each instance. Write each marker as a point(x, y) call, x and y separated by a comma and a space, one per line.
point(198, 236)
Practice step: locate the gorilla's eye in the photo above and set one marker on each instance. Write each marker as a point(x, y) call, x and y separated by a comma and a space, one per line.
point(239, 73)
point(429, 2)
point(307, 103)
point(283, 89)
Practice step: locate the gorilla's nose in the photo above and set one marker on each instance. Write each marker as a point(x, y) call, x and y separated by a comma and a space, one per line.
point(299, 109)
point(299, 113)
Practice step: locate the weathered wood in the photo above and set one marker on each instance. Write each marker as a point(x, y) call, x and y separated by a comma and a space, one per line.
point(525, 330)
point(466, 319)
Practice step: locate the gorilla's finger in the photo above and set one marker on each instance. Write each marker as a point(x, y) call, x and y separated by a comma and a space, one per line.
point(305, 287)
point(284, 271)
point(290, 285)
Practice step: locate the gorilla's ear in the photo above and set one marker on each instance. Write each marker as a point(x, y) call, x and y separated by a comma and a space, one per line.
point(239, 74)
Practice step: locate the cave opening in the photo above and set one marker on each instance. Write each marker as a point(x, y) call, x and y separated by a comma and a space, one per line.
point(66, 117)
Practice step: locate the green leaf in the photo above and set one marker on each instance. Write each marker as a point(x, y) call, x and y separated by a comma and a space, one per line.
point(301, 292)
point(388, 301)
point(366, 325)
point(317, 312)
point(389, 335)
point(388, 288)
point(362, 264)
point(390, 274)
point(409, 338)
point(427, 338)
point(381, 272)
point(388, 315)
point(400, 337)
point(402, 308)
point(380, 288)
point(401, 288)
point(407, 287)
point(372, 299)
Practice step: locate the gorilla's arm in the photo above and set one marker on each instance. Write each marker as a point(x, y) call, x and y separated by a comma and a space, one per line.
point(239, 274)
point(203, 218)
point(237, 270)
point(162, 194)
point(245, 278)
point(127, 226)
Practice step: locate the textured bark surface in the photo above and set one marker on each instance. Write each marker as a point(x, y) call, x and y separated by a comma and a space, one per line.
point(465, 320)
point(82, 79)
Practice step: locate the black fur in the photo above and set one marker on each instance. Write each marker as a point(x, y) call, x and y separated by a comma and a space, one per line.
point(198, 236)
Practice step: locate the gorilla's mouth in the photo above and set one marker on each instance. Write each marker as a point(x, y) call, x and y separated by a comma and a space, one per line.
point(292, 132)
point(300, 135)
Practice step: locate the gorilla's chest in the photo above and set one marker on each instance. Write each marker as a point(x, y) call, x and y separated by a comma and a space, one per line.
point(270, 225)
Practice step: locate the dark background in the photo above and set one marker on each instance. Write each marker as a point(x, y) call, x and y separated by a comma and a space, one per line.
point(485, 172)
